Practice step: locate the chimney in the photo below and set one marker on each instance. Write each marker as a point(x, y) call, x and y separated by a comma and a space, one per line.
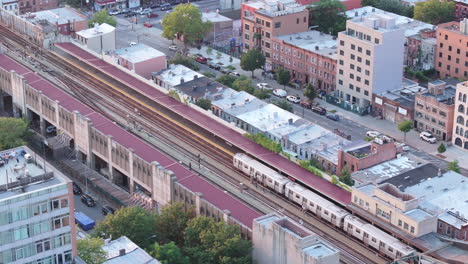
point(122, 252)
point(195, 77)
point(290, 121)
point(436, 87)
point(182, 80)
point(464, 26)
point(439, 172)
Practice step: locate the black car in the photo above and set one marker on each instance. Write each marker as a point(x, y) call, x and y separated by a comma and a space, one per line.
point(166, 6)
point(333, 117)
point(88, 200)
point(155, 5)
point(319, 110)
point(107, 210)
point(130, 14)
point(76, 189)
point(214, 66)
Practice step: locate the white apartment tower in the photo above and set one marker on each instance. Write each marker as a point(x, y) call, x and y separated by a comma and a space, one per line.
point(460, 120)
point(370, 58)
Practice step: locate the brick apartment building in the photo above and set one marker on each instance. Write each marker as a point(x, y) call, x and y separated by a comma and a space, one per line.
point(420, 50)
point(460, 129)
point(261, 21)
point(26, 6)
point(461, 9)
point(454, 225)
point(65, 21)
point(452, 50)
point(366, 155)
point(310, 57)
point(434, 110)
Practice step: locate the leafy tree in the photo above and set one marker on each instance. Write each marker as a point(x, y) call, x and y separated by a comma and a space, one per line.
point(310, 92)
point(73, 3)
point(102, 17)
point(405, 127)
point(265, 142)
point(441, 148)
point(207, 241)
point(453, 166)
point(209, 51)
point(252, 60)
point(171, 223)
point(186, 22)
point(204, 103)
point(133, 222)
point(168, 254)
point(393, 6)
point(89, 250)
point(369, 2)
point(227, 80)
point(186, 61)
point(346, 176)
point(243, 83)
point(284, 105)
point(283, 76)
point(13, 132)
point(261, 94)
point(329, 17)
point(434, 11)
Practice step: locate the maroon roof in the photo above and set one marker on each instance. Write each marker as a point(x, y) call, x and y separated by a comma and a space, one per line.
point(240, 211)
point(222, 131)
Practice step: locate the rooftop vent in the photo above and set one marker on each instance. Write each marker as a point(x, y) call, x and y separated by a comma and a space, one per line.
point(122, 252)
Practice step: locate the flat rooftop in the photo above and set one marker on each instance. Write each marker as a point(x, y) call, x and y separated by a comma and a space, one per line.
point(21, 167)
point(411, 26)
point(314, 41)
point(97, 30)
point(447, 97)
point(414, 176)
point(58, 15)
point(406, 95)
point(138, 53)
point(275, 8)
point(176, 74)
point(452, 26)
point(133, 253)
point(268, 117)
point(319, 250)
point(389, 169)
point(214, 17)
point(233, 98)
point(307, 134)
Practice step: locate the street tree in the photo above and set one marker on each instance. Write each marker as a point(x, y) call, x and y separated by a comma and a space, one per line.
point(73, 3)
point(394, 6)
point(252, 60)
point(434, 11)
point(101, 17)
point(185, 21)
point(346, 176)
point(89, 250)
point(136, 223)
point(13, 132)
point(284, 105)
point(204, 103)
point(441, 148)
point(171, 223)
point(243, 83)
point(226, 79)
point(283, 77)
point(168, 254)
point(310, 92)
point(453, 166)
point(329, 17)
point(405, 127)
point(208, 241)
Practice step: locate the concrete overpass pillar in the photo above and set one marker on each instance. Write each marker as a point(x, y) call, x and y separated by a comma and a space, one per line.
point(43, 126)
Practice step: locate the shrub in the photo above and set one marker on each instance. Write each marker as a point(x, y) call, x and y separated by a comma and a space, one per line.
point(441, 148)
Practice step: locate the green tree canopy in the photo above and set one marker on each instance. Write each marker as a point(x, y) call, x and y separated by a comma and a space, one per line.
point(186, 61)
point(283, 76)
point(284, 105)
point(329, 17)
point(186, 21)
point(393, 6)
point(89, 250)
point(405, 127)
point(168, 254)
point(310, 92)
point(171, 223)
point(434, 11)
point(453, 166)
point(243, 83)
point(346, 176)
point(73, 3)
point(204, 103)
point(13, 132)
point(441, 148)
point(227, 80)
point(135, 223)
point(207, 241)
point(252, 60)
point(102, 17)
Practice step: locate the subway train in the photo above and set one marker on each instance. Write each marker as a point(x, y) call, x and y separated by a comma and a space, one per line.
point(370, 235)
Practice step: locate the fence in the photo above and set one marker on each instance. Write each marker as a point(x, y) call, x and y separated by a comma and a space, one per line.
point(346, 106)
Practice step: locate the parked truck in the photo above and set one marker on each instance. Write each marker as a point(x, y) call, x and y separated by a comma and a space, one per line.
point(84, 221)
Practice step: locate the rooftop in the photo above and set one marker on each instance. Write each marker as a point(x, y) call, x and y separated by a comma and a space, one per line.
point(138, 53)
point(307, 134)
point(234, 98)
point(176, 74)
point(328, 146)
point(418, 215)
point(414, 176)
point(454, 27)
point(447, 96)
point(411, 26)
point(268, 117)
point(406, 95)
point(59, 15)
point(22, 171)
point(97, 30)
point(123, 250)
point(214, 17)
point(454, 219)
point(202, 87)
point(388, 169)
point(275, 8)
point(319, 250)
point(313, 41)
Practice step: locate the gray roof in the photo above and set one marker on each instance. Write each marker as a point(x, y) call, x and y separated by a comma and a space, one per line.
point(58, 15)
point(133, 253)
point(138, 53)
point(202, 87)
point(414, 176)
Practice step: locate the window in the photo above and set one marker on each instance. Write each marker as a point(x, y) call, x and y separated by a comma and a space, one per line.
point(267, 24)
point(277, 24)
point(359, 69)
point(340, 82)
point(367, 72)
point(340, 71)
point(353, 57)
point(342, 42)
point(267, 34)
point(358, 89)
point(450, 48)
point(352, 66)
point(368, 62)
point(405, 226)
point(359, 59)
point(353, 47)
point(366, 82)
point(366, 93)
point(446, 37)
point(351, 76)
point(358, 78)
point(359, 49)
point(341, 62)
point(412, 229)
point(377, 41)
point(247, 26)
point(351, 87)
point(400, 222)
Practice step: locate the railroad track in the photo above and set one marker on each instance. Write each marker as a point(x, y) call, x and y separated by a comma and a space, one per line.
point(148, 121)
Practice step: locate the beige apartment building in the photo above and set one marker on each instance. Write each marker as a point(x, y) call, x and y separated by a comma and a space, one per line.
point(385, 203)
point(434, 110)
point(370, 59)
point(460, 124)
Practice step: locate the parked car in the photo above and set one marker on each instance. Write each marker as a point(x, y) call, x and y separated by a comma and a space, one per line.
point(306, 104)
point(293, 99)
point(156, 5)
point(166, 6)
point(264, 86)
point(214, 66)
point(107, 210)
point(132, 43)
point(372, 134)
point(130, 14)
point(147, 24)
point(51, 129)
point(114, 12)
point(201, 59)
point(428, 137)
point(145, 11)
point(76, 189)
point(319, 110)
point(125, 11)
point(236, 74)
point(88, 200)
point(334, 117)
point(280, 93)
point(224, 70)
point(173, 48)
point(152, 15)
point(403, 146)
